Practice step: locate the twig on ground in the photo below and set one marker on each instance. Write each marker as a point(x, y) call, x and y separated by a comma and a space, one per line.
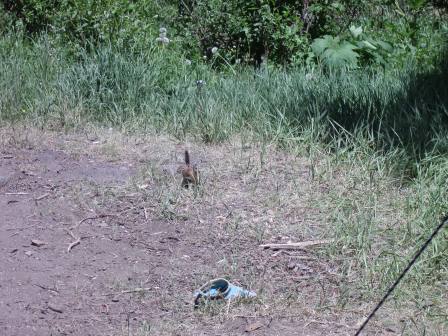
point(326, 323)
point(41, 197)
point(55, 308)
point(135, 290)
point(299, 245)
point(16, 193)
point(93, 217)
point(20, 228)
point(250, 316)
point(300, 257)
point(76, 242)
point(46, 288)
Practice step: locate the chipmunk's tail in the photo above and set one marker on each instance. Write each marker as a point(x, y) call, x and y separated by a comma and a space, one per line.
point(187, 158)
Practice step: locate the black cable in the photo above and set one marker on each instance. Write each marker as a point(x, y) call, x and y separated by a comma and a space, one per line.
point(391, 289)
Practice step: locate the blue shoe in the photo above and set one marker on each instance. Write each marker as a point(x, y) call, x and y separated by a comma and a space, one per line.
point(221, 289)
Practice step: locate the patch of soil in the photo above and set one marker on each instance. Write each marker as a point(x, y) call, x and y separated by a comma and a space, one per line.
point(145, 245)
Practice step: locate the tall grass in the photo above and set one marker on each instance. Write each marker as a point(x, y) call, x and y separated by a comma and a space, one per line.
point(155, 88)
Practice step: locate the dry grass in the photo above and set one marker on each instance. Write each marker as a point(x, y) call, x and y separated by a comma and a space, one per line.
point(254, 193)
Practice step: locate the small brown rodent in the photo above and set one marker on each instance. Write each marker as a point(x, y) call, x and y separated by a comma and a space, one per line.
point(190, 173)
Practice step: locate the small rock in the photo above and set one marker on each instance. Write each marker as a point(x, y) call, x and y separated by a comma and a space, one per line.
point(29, 253)
point(37, 242)
point(115, 299)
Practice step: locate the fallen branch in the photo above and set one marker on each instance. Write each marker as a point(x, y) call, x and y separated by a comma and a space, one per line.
point(16, 193)
point(297, 246)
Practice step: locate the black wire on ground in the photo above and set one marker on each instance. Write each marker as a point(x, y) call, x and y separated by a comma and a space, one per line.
point(391, 289)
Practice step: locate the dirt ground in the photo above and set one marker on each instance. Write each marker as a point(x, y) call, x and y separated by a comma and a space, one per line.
point(145, 244)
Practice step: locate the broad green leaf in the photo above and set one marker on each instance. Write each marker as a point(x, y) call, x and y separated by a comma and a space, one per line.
point(341, 56)
point(320, 44)
point(334, 53)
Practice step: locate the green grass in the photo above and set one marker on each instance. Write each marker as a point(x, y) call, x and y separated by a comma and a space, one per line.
point(377, 140)
point(156, 89)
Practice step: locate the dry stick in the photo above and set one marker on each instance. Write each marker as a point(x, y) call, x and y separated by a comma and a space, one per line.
point(46, 288)
point(76, 242)
point(300, 257)
point(41, 197)
point(55, 308)
point(16, 193)
point(93, 217)
point(135, 290)
point(21, 228)
point(300, 245)
point(403, 273)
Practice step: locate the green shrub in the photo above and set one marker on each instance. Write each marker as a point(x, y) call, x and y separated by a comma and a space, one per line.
point(243, 31)
point(251, 30)
point(336, 53)
point(36, 15)
point(121, 23)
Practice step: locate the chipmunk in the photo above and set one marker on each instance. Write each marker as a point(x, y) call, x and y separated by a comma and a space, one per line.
point(190, 173)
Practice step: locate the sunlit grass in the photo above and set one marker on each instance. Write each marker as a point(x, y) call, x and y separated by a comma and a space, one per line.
point(376, 140)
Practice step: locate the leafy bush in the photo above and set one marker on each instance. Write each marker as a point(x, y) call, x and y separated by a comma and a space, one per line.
point(91, 22)
point(244, 31)
point(6, 21)
point(123, 23)
point(414, 28)
point(36, 15)
point(337, 53)
point(251, 30)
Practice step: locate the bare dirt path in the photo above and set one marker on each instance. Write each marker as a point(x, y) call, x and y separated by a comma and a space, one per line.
point(145, 244)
